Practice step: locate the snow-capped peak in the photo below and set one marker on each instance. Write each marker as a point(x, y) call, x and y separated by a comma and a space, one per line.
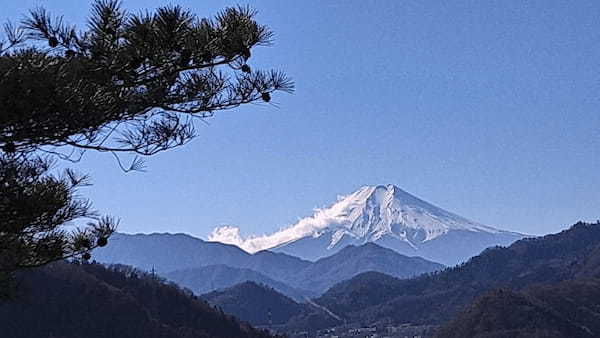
point(374, 211)
point(365, 215)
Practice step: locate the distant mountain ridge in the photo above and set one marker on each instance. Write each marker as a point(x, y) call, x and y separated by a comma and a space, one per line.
point(215, 277)
point(166, 252)
point(383, 214)
point(353, 260)
point(200, 265)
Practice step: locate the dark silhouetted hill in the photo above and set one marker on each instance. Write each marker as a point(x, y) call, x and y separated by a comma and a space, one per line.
point(253, 302)
point(73, 301)
point(569, 309)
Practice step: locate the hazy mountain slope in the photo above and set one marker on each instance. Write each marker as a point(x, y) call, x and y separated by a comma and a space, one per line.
point(168, 252)
point(454, 247)
point(390, 217)
point(353, 260)
point(437, 298)
point(276, 265)
point(171, 252)
point(568, 309)
point(213, 277)
point(73, 301)
point(255, 303)
point(182, 258)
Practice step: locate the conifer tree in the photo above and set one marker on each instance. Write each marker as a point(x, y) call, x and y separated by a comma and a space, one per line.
point(129, 83)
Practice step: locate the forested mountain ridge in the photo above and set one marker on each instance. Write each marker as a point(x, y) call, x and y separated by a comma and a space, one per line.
point(438, 297)
point(569, 309)
point(89, 300)
point(256, 303)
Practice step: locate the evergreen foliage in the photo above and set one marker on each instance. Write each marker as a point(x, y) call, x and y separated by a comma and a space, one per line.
point(126, 84)
point(34, 206)
point(130, 82)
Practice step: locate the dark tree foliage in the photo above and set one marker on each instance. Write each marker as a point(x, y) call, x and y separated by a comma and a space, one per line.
point(34, 206)
point(127, 84)
point(130, 82)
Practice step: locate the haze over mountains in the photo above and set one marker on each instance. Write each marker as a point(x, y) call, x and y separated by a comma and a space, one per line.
point(537, 287)
point(386, 215)
point(360, 270)
point(205, 266)
point(215, 277)
point(551, 279)
point(377, 228)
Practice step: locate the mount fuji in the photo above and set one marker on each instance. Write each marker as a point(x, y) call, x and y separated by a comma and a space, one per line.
point(386, 215)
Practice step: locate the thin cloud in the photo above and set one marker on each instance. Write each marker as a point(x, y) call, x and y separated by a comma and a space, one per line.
point(309, 226)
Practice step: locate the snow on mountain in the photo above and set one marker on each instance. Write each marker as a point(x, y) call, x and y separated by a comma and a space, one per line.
point(384, 214)
point(372, 212)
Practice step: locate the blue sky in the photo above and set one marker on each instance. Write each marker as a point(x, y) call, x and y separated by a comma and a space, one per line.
point(487, 109)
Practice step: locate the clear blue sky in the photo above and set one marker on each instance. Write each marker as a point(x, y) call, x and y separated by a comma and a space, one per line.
point(489, 109)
